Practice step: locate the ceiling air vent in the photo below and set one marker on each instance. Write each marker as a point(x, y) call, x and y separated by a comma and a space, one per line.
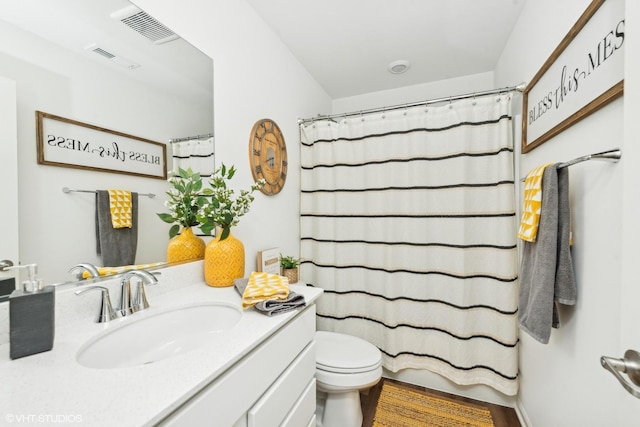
point(144, 24)
point(125, 63)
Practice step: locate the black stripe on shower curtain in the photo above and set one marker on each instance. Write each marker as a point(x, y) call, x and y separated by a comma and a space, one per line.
point(408, 224)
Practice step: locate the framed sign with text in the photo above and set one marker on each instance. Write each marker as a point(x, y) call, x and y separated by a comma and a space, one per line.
point(584, 73)
point(68, 143)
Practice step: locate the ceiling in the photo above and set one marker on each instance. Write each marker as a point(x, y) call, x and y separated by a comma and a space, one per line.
point(347, 45)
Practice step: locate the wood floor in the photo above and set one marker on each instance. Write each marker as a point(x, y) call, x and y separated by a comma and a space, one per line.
point(502, 415)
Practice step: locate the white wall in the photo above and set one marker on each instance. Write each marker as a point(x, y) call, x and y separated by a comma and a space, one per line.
point(255, 77)
point(57, 230)
point(562, 382)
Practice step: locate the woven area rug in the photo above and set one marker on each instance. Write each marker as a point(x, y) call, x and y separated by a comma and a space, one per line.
point(400, 406)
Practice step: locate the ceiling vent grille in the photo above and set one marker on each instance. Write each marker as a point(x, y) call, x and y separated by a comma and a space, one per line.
point(144, 24)
point(102, 52)
point(125, 63)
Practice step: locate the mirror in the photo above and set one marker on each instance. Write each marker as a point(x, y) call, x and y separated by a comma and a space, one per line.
point(99, 71)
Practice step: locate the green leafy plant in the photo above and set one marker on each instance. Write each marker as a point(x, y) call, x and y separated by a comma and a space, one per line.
point(184, 201)
point(221, 209)
point(289, 262)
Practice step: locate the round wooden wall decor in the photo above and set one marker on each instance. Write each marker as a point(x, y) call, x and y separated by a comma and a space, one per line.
point(268, 156)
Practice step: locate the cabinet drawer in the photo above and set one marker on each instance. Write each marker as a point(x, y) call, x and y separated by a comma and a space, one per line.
point(274, 405)
point(303, 412)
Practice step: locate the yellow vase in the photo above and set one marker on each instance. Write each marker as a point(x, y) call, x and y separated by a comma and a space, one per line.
point(185, 246)
point(223, 261)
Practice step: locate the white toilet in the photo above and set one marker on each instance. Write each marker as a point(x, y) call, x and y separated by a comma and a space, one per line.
point(344, 365)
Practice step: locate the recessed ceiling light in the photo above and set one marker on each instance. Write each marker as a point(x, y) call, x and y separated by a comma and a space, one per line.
point(398, 67)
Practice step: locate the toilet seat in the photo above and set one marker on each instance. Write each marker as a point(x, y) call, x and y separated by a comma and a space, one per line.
point(340, 353)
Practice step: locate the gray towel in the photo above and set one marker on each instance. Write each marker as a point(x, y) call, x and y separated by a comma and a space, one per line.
point(274, 306)
point(116, 245)
point(546, 273)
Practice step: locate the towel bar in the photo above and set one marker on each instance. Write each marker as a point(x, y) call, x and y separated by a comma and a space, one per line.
point(73, 190)
point(610, 155)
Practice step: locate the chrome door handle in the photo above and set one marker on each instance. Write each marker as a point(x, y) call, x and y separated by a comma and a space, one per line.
point(5, 263)
point(629, 365)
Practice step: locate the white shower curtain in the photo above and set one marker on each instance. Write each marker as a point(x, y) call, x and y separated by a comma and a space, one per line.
point(408, 224)
point(197, 154)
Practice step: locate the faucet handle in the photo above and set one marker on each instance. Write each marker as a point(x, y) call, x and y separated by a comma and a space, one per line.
point(106, 310)
point(140, 302)
point(127, 304)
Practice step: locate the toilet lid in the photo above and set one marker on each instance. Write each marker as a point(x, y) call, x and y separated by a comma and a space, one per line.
point(337, 352)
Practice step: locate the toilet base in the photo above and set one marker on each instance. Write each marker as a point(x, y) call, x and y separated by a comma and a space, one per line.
point(338, 409)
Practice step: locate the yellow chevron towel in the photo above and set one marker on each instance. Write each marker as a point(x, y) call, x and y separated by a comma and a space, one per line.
point(264, 286)
point(121, 208)
point(532, 203)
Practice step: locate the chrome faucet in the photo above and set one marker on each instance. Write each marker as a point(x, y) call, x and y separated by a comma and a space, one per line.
point(79, 269)
point(129, 305)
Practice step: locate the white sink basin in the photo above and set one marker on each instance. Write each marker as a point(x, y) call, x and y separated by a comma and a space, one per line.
point(158, 336)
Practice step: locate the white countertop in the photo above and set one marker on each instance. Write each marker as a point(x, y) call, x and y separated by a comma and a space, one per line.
point(52, 387)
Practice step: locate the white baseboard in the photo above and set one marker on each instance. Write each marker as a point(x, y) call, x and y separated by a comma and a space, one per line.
point(522, 414)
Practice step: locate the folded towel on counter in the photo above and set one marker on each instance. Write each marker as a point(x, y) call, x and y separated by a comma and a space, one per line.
point(546, 273)
point(262, 287)
point(116, 245)
point(120, 208)
point(272, 307)
point(109, 271)
point(532, 201)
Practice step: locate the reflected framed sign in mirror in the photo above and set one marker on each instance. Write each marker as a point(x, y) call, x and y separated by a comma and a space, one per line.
point(69, 143)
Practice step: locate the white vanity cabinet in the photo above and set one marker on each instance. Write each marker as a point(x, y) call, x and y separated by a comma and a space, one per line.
point(272, 385)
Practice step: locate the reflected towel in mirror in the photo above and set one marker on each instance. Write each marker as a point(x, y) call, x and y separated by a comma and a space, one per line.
point(116, 245)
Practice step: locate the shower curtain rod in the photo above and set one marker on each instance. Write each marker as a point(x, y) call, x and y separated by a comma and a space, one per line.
point(519, 88)
point(186, 138)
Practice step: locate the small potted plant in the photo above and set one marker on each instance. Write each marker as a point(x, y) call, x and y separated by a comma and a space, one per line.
point(289, 268)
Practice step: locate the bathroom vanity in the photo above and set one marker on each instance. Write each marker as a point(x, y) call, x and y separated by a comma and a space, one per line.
point(253, 370)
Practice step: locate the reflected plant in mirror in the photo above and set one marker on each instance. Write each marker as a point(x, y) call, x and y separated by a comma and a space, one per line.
point(185, 199)
point(184, 202)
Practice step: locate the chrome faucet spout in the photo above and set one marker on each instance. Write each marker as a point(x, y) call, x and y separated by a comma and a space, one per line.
point(126, 306)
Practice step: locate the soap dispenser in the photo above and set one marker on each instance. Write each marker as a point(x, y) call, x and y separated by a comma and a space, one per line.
point(31, 315)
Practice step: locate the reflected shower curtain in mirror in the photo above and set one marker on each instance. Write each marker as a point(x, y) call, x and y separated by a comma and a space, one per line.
point(197, 154)
point(408, 224)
